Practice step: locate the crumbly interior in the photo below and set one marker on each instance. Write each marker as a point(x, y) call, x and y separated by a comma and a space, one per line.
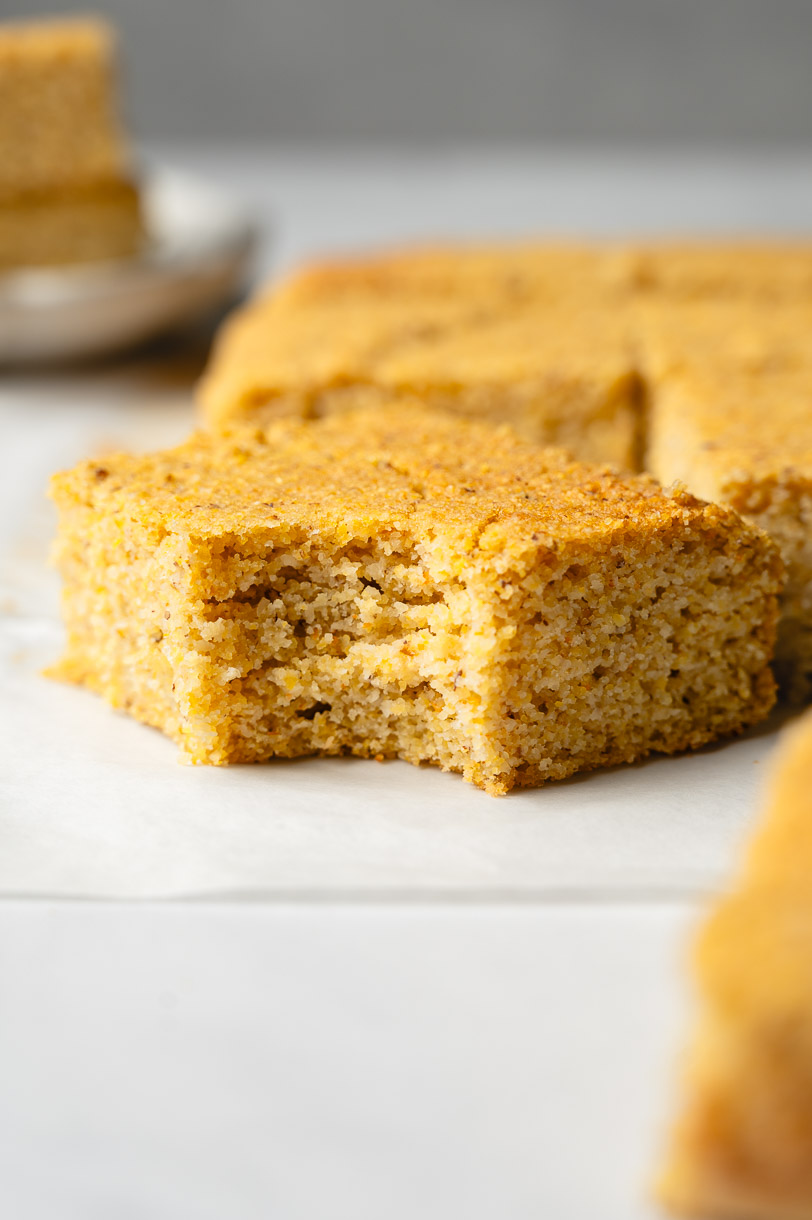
point(449, 625)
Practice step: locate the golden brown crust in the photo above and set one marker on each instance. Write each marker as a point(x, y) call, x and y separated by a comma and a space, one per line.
point(512, 335)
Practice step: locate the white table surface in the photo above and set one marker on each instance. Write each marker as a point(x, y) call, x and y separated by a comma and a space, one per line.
point(373, 1014)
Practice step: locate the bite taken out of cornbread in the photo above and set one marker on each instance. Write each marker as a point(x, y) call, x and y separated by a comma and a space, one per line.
point(529, 336)
point(730, 416)
point(742, 1147)
point(67, 193)
point(403, 584)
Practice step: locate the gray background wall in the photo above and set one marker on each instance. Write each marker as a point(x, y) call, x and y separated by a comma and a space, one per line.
point(677, 71)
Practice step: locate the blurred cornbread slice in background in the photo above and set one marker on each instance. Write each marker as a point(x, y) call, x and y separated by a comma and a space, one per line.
point(730, 417)
point(399, 583)
point(525, 336)
point(743, 1145)
point(66, 190)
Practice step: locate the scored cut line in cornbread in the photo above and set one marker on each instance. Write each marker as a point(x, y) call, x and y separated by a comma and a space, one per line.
point(402, 584)
point(743, 1144)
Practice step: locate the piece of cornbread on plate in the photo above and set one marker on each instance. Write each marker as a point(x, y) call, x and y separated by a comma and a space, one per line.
point(402, 584)
point(742, 1148)
point(527, 336)
point(66, 189)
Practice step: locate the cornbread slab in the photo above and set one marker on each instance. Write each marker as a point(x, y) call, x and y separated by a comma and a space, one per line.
point(522, 336)
point(66, 190)
point(402, 584)
point(743, 1144)
point(730, 416)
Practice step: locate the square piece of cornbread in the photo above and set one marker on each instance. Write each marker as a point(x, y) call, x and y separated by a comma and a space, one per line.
point(66, 189)
point(730, 417)
point(527, 336)
point(743, 1144)
point(401, 584)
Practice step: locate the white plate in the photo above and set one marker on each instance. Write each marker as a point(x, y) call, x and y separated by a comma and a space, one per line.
point(195, 259)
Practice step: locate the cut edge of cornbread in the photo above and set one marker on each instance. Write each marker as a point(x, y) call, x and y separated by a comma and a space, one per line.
point(709, 434)
point(741, 1147)
point(406, 585)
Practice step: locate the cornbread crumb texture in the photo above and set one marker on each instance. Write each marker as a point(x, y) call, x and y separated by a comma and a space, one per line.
point(743, 1145)
point(407, 585)
point(66, 193)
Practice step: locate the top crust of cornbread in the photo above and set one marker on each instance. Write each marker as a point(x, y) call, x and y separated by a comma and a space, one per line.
point(425, 469)
point(552, 339)
point(58, 122)
point(521, 335)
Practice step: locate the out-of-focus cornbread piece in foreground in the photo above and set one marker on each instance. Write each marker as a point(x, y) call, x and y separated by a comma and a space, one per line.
point(66, 193)
point(730, 416)
point(743, 1146)
point(398, 583)
point(527, 336)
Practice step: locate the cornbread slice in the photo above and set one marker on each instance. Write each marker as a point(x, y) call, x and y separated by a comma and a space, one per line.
point(402, 584)
point(730, 416)
point(66, 193)
point(58, 122)
point(524, 336)
point(743, 1145)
